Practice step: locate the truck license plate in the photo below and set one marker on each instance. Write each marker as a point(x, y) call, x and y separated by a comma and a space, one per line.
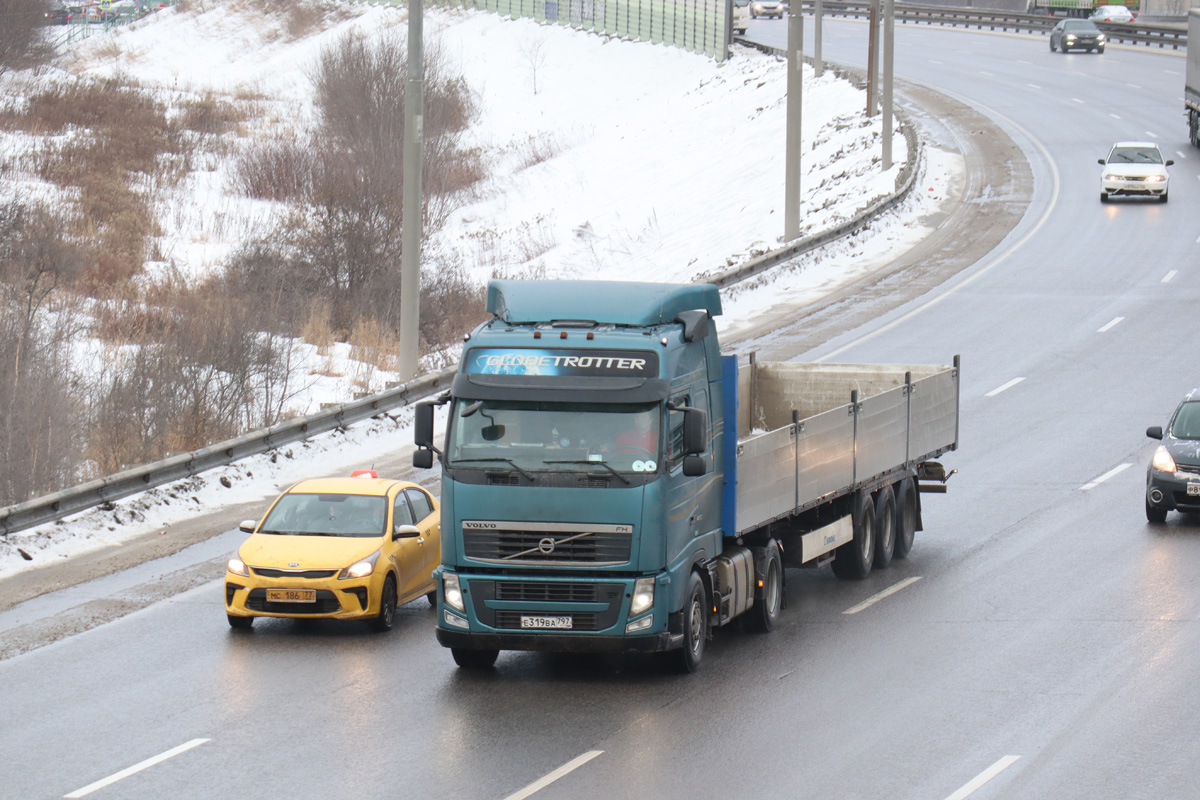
point(556, 623)
point(291, 595)
point(1193, 489)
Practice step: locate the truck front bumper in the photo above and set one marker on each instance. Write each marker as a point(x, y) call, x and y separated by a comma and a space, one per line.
point(559, 643)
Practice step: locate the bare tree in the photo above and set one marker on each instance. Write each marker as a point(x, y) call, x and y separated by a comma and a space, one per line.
point(535, 57)
point(21, 44)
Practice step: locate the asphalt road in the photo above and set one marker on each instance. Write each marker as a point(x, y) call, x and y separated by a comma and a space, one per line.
point(1047, 647)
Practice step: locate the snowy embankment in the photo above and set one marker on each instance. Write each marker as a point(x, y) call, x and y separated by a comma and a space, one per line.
point(610, 160)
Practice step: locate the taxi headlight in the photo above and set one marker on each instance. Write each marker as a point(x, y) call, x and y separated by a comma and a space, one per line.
point(1162, 460)
point(238, 567)
point(452, 591)
point(360, 569)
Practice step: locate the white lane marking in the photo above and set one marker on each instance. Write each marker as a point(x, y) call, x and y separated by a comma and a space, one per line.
point(1152, 134)
point(1077, 100)
point(984, 777)
point(1169, 275)
point(125, 773)
point(1000, 389)
point(1115, 116)
point(1117, 470)
point(931, 61)
point(1180, 154)
point(1109, 326)
point(872, 600)
point(1033, 86)
point(985, 74)
point(1133, 86)
point(542, 783)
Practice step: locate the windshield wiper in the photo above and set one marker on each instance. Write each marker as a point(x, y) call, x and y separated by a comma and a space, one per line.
point(604, 464)
point(497, 458)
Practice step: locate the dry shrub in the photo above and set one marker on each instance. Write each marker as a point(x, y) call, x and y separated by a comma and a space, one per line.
point(373, 344)
point(451, 304)
point(317, 328)
point(536, 150)
point(275, 169)
point(210, 115)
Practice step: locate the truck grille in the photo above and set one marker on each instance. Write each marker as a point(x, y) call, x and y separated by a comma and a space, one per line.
point(547, 592)
point(547, 543)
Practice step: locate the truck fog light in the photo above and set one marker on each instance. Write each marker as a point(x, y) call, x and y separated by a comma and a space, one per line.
point(643, 596)
point(452, 592)
point(455, 620)
point(640, 624)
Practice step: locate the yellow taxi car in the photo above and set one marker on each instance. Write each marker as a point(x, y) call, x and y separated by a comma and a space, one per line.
point(337, 548)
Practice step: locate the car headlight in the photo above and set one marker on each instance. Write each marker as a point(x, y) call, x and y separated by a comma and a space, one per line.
point(1162, 460)
point(452, 591)
point(1070, 37)
point(1155, 178)
point(643, 596)
point(1100, 39)
point(1111, 177)
point(238, 567)
point(360, 569)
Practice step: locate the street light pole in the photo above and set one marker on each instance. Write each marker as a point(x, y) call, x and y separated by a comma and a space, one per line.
point(410, 241)
point(795, 90)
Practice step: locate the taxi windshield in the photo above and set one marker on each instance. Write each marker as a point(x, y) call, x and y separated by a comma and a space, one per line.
point(327, 515)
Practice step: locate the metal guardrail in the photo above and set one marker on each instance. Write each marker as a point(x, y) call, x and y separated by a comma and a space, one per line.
point(1162, 36)
point(115, 487)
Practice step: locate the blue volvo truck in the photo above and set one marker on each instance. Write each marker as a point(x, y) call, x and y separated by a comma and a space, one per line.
point(612, 483)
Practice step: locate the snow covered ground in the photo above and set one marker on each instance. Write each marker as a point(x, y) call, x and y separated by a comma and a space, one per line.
point(665, 166)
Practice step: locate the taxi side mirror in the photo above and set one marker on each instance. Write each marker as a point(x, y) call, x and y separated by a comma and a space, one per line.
point(406, 532)
point(247, 525)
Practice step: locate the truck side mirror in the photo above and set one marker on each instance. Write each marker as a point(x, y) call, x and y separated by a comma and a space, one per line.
point(1154, 432)
point(695, 431)
point(423, 425)
point(423, 459)
point(694, 466)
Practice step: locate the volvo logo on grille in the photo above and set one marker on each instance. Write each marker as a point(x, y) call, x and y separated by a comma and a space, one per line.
point(546, 546)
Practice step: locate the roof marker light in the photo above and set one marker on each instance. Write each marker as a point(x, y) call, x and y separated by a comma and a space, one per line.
point(364, 473)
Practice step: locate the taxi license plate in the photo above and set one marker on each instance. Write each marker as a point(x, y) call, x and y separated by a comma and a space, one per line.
point(555, 623)
point(291, 595)
point(1193, 489)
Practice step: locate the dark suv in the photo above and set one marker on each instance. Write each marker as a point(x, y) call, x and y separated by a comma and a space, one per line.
point(1173, 477)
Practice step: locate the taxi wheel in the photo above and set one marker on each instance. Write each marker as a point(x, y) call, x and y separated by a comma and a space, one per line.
point(239, 623)
point(387, 606)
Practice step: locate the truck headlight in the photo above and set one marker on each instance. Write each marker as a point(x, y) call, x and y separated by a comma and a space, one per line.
point(360, 569)
point(643, 596)
point(452, 591)
point(238, 567)
point(1162, 460)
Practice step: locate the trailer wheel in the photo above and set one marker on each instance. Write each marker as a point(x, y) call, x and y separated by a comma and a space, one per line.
point(474, 659)
point(854, 558)
point(885, 526)
point(765, 614)
point(906, 517)
point(695, 626)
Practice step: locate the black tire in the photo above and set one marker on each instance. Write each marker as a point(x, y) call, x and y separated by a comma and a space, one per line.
point(1064, 48)
point(906, 517)
point(885, 526)
point(431, 596)
point(1104, 197)
point(854, 559)
point(1162, 198)
point(474, 659)
point(239, 623)
point(1100, 50)
point(765, 613)
point(1155, 514)
point(695, 626)
point(387, 606)
point(1052, 47)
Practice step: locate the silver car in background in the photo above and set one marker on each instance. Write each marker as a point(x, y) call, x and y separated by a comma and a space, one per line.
point(767, 8)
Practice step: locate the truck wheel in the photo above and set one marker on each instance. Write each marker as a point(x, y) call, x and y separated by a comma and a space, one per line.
point(765, 614)
point(854, 558)
point(695, 626)
point(387, 606)
point(906, 517)
point(885, 526)
point(474, 659)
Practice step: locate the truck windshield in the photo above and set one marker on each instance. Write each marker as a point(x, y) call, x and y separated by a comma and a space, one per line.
point(560, 437)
